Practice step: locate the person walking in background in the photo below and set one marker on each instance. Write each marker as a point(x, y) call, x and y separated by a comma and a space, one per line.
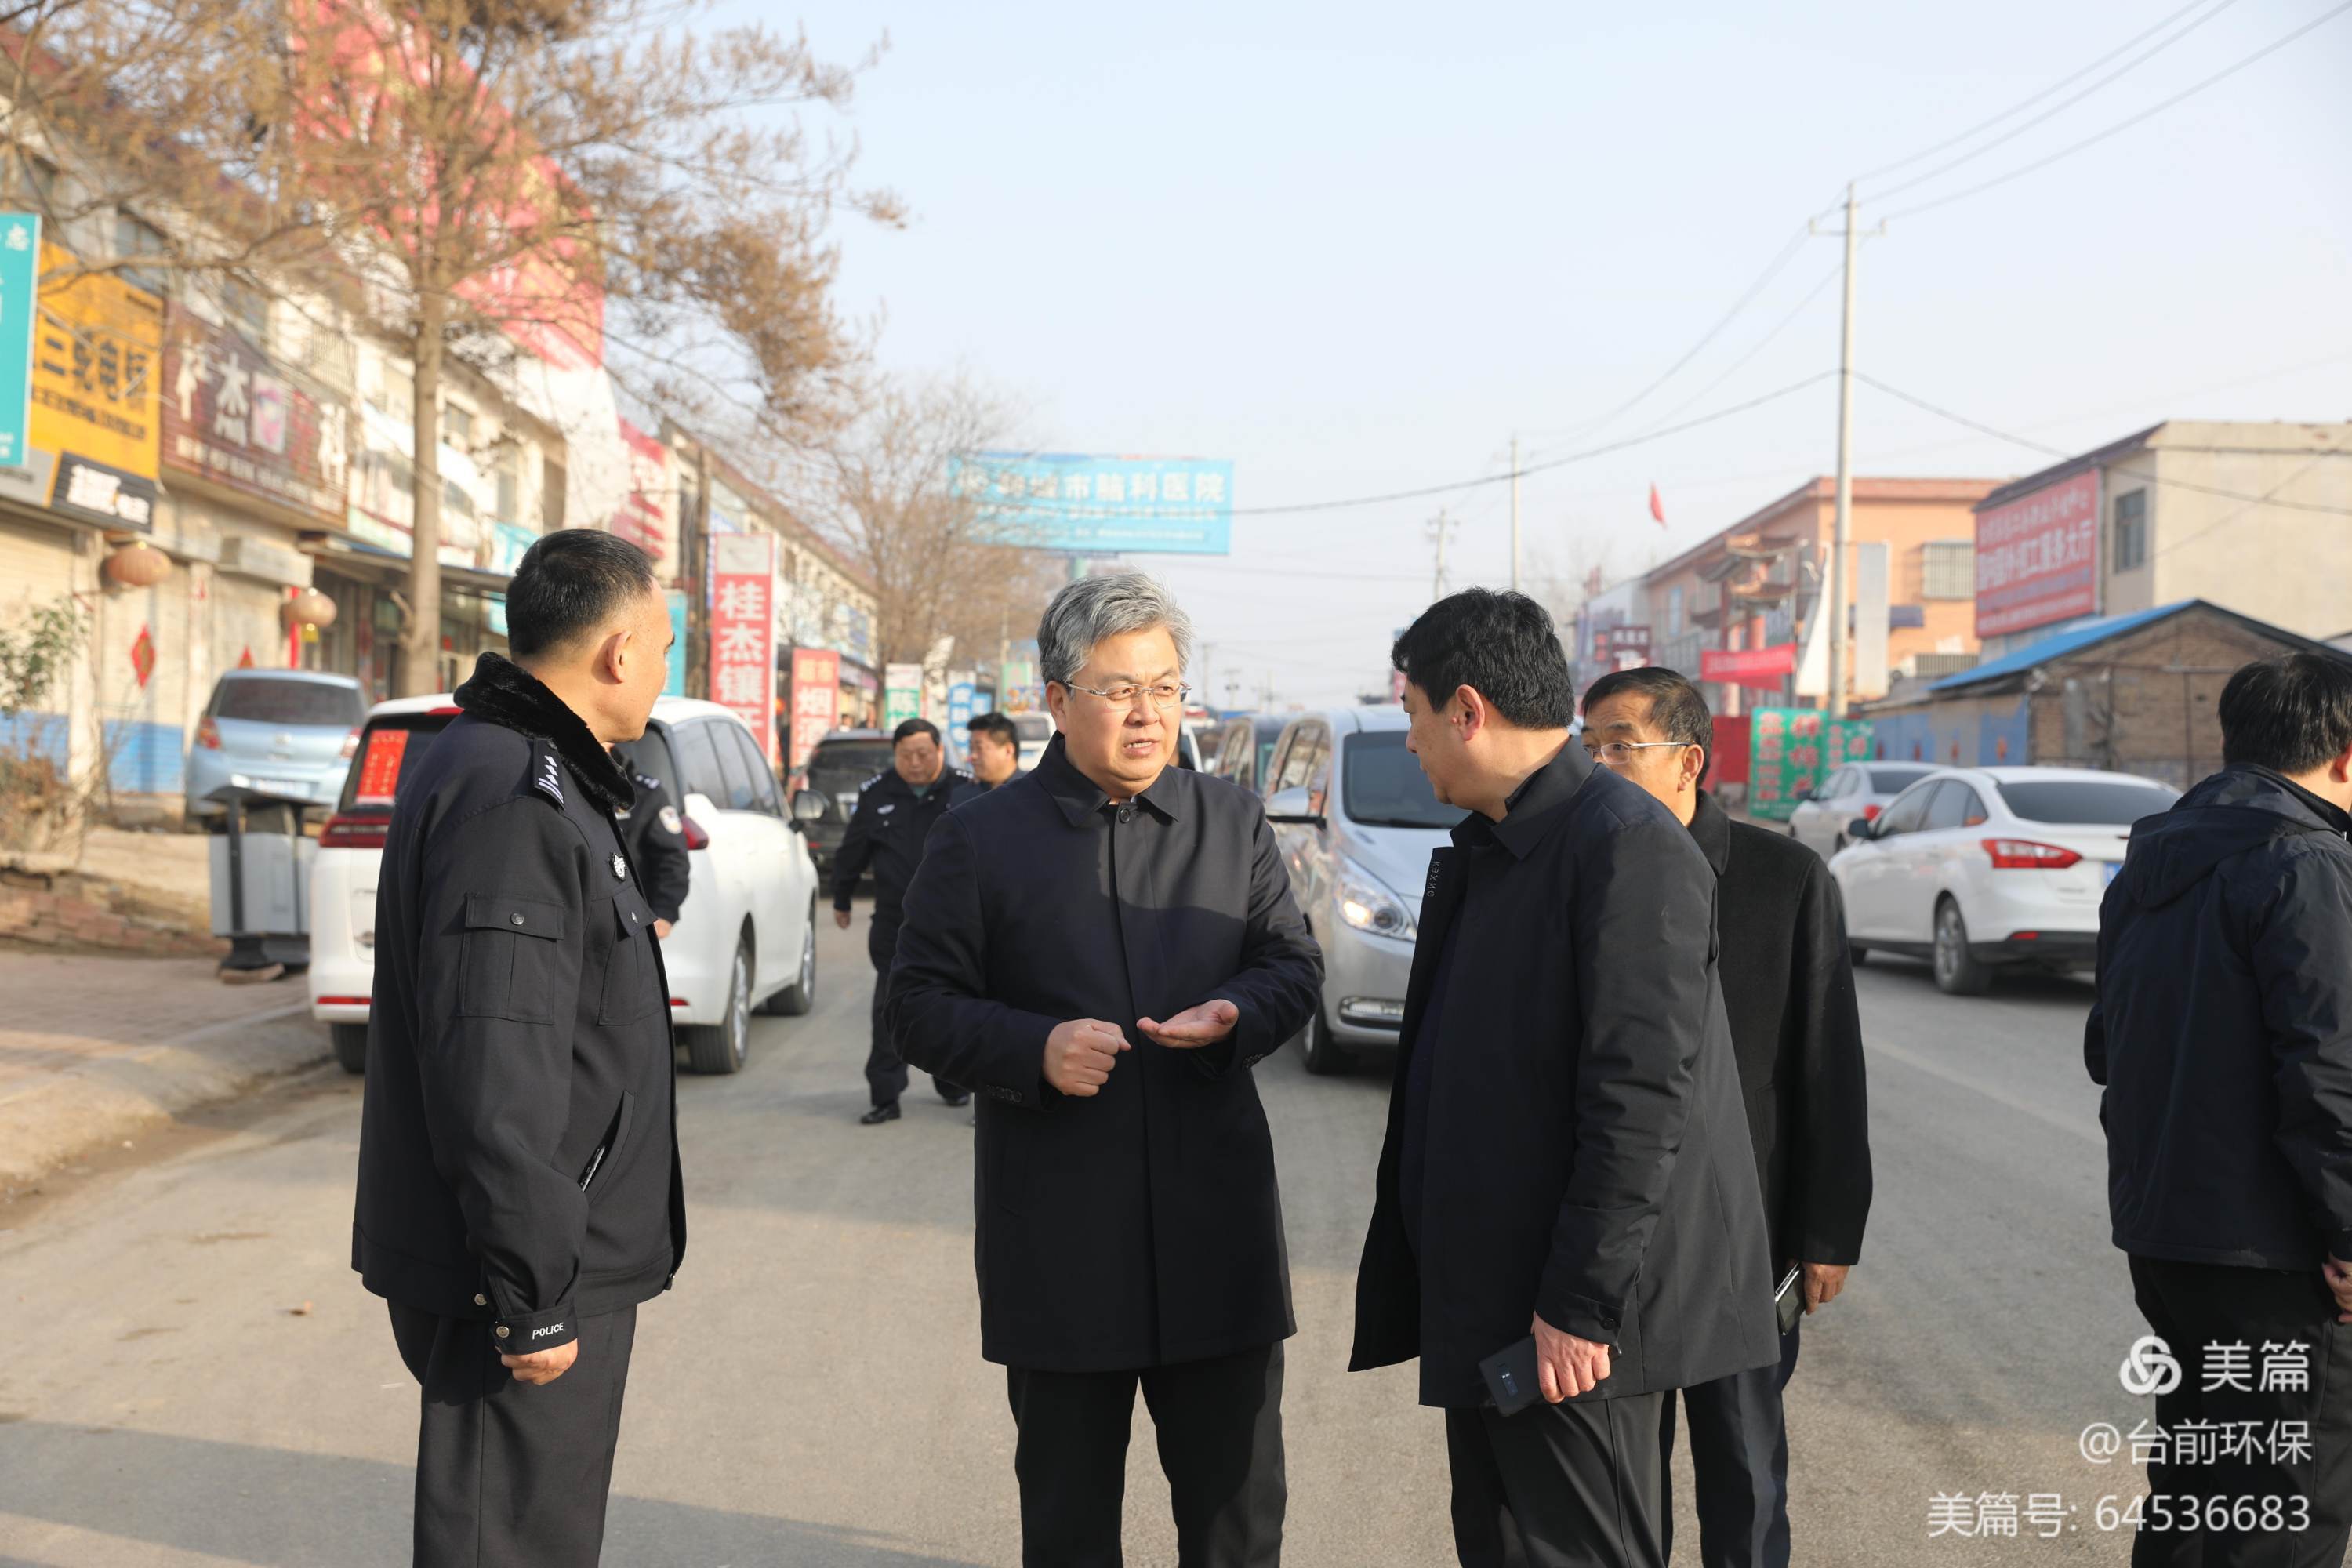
point(655, 837)
point(1105, 948)
point(1566, 1156)
point(2223, 1036)
point(1788, 990)
point(519, 1184)
point(995, 755)
point(895, 809)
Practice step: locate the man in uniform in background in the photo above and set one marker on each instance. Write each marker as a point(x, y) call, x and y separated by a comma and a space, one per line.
point(895, 809)
point(655, 837)
point(518, 1187)
point(995, 748)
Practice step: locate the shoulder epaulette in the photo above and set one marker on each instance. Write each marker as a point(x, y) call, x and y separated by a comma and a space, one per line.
point(876, 779)
point(546, 772)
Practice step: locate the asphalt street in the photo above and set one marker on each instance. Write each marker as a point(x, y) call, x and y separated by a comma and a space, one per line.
point(192, 1374)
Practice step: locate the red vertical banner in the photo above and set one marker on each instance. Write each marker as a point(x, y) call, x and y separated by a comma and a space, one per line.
point(816, 698)
point(744, 631)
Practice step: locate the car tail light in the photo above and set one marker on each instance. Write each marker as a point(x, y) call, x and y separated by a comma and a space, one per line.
point(351, 745)
point(695, 838)
point(2024, 855)
point(354, 833)
point(346, 1002)
point(678, 1000)
point(445, 709)
point(208, 734)
point(1870, 813)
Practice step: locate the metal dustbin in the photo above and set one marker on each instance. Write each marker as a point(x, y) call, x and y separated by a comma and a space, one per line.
point(260, 882)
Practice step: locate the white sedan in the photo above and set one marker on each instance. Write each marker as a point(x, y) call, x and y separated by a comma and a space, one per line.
point(1851, 790)
point(1976, 868)
point(745, 938)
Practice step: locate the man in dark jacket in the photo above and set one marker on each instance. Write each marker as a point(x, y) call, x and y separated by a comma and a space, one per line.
point(895, 809)
point(1787, 988)
point(518, 1190)
point(1105, 949)
point(2223, 1035)
point(995, 750)
point(1566, 1154)
point(655, 835)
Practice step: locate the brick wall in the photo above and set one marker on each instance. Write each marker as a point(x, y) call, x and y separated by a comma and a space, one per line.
point(2147, 703)
point(63, 910)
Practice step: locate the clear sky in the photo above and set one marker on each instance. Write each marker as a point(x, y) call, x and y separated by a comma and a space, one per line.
point(1355, 247)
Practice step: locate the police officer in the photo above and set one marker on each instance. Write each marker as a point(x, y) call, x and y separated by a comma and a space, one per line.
point(895, 809)
point(655, 835)
point(995, 751)
point(518, 1186)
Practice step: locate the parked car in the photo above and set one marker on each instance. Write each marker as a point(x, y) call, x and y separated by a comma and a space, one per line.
point(1974, 869)
point(289, 731)
point(1246, 750)
point(1359, 858)
point(835, 770)
point(1851, 790)
point(1036, 727)
point(745, 939)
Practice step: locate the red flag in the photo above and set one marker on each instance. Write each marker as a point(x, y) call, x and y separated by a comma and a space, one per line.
point(1658, 507)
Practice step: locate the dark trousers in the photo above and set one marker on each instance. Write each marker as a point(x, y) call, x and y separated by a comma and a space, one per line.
point(1739, 1464)
point(1220, 1426)
point(509, 1475)
point(1559, 1486)
point(2194, 1305)
point(886, 1070)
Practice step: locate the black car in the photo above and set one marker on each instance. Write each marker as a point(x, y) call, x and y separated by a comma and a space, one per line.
point(842, 762)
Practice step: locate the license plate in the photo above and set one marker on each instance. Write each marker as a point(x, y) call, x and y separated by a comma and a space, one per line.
point(283, 787)
point(2113, 868)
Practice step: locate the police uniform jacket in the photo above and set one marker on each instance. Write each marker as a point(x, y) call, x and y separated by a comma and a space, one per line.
point(973, 789)
point(1586, 1155)
point(655, 835)
point(1139, 1226)
point(886, 832)
point(518, 1137)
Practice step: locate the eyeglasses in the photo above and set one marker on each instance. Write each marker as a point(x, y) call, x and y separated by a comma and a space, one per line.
point(1617, 753)
point(1124, 696)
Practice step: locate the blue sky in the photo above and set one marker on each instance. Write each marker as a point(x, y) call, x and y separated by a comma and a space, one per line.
point(1353, 249)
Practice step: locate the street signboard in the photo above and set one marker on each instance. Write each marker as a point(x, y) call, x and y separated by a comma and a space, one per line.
point(902, 694)
point(1072, 502)
point(744, 631)
point(20, 305)
point(1790, 751)
point(816, 700)
point(2038, 557)
point(1764, 667)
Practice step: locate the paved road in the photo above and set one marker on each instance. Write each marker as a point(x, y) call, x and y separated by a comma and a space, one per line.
point(811, 1393)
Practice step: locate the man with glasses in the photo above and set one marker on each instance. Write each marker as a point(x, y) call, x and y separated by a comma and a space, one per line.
point(1788, 989)
point(1104, 948)
point(1566, 1177)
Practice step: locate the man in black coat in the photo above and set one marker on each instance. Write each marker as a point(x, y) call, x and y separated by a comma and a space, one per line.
point(1105, 948)
point(655, 835)
point(1566, 1153)
point(1787, 988)
point(518, 1188)
point(2224, 1036)
point(995, 751)
point(895, 809)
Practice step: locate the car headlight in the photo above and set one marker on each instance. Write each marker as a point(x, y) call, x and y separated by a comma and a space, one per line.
point(1366, 904)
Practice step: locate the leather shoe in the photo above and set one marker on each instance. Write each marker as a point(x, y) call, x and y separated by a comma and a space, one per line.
point(879, 1114)
point(957, 1101)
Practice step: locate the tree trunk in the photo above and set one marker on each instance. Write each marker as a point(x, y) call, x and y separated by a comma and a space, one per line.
point(420, 637)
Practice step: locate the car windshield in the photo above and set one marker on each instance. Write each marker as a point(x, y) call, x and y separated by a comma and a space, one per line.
point(262, 701)
point(1895, 781)
point(841, 766)
point(1036, 728)
point(388, 753)
point(2070, 801)
point(1383, 785)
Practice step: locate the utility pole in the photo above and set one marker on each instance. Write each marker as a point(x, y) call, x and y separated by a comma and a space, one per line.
point(1842, 535)
point(1515, 514)
point(695, 550)
point(1439, 527)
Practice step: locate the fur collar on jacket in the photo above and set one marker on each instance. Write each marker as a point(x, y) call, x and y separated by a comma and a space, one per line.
point(504, 693)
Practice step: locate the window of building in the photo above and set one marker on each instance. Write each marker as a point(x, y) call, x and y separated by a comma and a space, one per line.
point(35, 175)
point(1675, 612)
point(2130, 530)
point(1948, 569)
point(457, 427)
point(134, 235)
point(551, 494)
point(247, 310)
point(510, 477)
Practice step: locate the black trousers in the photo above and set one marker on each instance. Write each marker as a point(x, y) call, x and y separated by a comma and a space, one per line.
point(509, 1475)
point(1739, 1464)
point(2194, 1305)
point(886, 1070)
point(1220, 1426)
point(1559, 1486)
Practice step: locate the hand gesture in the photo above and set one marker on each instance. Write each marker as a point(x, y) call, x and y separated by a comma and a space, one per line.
point(543, 1367)
point(1080, 1054)
point(1820, 1284)
point(1195, 1027)
point(2339, 1275)
point(841, 918)
point(1567, 1366)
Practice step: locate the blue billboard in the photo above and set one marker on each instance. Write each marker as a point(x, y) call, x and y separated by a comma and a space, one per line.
point(1072, 502)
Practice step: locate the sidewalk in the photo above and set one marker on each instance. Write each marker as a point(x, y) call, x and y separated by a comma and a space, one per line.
point(96, 1047)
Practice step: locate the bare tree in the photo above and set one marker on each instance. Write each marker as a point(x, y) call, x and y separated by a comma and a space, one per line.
point(583, 183)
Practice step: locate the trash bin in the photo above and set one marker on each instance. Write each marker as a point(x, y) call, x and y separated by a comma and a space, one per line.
point(260, 882)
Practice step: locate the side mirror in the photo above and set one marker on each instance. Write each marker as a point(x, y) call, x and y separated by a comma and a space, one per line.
point(1293, 806)
point(1860, 828)
point(808, 806)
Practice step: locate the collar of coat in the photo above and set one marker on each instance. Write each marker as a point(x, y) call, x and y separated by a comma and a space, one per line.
point(504, 693)
point(1535, 807)
point(1080, 797)
point(1711, 825)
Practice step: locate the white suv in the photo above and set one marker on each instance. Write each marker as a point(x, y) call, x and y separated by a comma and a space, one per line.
point(745, 939)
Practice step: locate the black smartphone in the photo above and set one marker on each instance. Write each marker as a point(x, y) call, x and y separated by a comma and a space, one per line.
point(1511, 1381)
point(1789, 1300)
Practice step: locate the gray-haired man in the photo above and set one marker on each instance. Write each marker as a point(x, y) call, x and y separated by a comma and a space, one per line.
point(1103, 948)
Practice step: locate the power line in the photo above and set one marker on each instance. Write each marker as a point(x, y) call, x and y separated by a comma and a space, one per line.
point(1921, 403)
point(2124, 125)
point(2263, 499)
point(2059, 84)
point(1761, 343)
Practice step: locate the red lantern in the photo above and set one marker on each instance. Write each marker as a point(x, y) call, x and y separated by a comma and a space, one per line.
point(136, 565)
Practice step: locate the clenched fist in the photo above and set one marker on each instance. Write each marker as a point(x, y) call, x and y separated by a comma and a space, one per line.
point(542, 1366)
point(1080, 1054)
